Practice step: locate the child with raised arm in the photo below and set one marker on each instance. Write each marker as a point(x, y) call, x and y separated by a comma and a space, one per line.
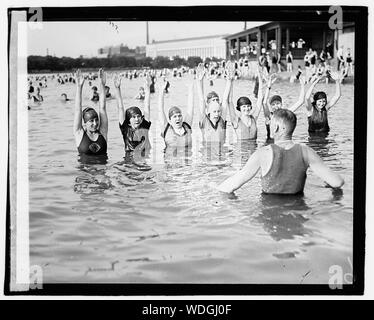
point(133, 124)
point(283, 165)
point(176, 128)
point(92, 137)
point(212, 116)
point(244, 116)
point(318, 106)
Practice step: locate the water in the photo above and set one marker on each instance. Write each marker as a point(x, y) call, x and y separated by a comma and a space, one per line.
point(96, 223)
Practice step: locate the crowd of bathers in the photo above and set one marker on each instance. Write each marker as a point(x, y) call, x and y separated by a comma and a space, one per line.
point(214, 112)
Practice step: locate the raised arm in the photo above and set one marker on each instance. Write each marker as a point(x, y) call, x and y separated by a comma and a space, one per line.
point(301, 99)
point(102, 105)
point(117, 90)
point(227, 94)
point(270, 81)
point(79, 81)
point(200, 73)
point(308, 98)
point(161, 111)
point(333, 179)
point(260, 95)
point(190, 101)
point(242, 176)
point(338, 78)
point(147, 97)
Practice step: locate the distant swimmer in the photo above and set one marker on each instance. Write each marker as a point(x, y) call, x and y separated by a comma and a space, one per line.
point(95, 95)
point(91, 137)
point(283, 165)
point(176, 128)
point(64, 97)
point(108, 95)
point(141, 94)
point(133, 124)
point(318, 106)
point(37, 97)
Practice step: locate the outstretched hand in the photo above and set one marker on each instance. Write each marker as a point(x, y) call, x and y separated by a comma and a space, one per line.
point(338, 76)
point(79, 79)
point(117, 81)
point(102, 77)
point(200, 72)
point(229, 71)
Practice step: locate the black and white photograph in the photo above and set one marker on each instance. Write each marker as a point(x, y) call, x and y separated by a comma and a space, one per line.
point(158, 151)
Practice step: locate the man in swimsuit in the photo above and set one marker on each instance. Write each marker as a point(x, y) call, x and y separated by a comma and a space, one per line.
point(92, 138)
point(284, 164)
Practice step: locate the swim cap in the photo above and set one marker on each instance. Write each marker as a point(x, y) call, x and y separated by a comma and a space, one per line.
point(275, 98)
point(319, 95)
point(131, 112)
point(242, 101)
point(174, 110)
point(211, 95)
point(89, 113)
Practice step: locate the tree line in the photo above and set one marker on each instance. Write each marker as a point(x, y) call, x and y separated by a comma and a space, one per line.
point(50, 63)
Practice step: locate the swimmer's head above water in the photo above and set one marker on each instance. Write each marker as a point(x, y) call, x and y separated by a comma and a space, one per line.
point(214, 111)
point(244, 105)
point(283, 124)
point(319, 100)
point(133, 117)
point(275, 103)
point(212, 96)
point(90, 119)
point(175, 117)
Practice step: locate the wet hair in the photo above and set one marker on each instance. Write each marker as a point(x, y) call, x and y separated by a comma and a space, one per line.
point(318, 96)
point(275, 98)
point(242, 101)
point(287, 117)
point(130, 112)
point(88, 114)
point(174, 110)
point(107, 87)
point(94, 88)
point(211, 95)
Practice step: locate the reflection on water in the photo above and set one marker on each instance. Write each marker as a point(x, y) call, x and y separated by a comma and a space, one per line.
point(282, 216)
point(152, 217)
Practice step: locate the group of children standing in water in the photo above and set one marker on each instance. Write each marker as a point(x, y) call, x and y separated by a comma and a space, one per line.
point(282, 163)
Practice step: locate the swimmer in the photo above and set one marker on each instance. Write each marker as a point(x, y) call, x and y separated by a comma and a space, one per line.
point(95, 95)
point(318, 106)
point(133, 124)
point(38, 97)
point(283, 165)
point(289, 59)
point(176, 128)
point(212, 116)
point(64, 97)
point(244, 116)
point(276, 102)
point(108, 95)
point(141, 94)
point(91, 137)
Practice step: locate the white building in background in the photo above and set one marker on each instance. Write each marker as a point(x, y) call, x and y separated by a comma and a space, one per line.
point(207, 46)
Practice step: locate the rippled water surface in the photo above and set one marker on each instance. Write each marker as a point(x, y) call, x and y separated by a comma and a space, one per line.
point(161, 223)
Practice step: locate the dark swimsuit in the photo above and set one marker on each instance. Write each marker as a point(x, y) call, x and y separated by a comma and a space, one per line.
point(132, 138)
point(318, 121)
point(89, 147)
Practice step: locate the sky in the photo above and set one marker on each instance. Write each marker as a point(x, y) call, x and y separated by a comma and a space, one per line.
point(72, 39)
